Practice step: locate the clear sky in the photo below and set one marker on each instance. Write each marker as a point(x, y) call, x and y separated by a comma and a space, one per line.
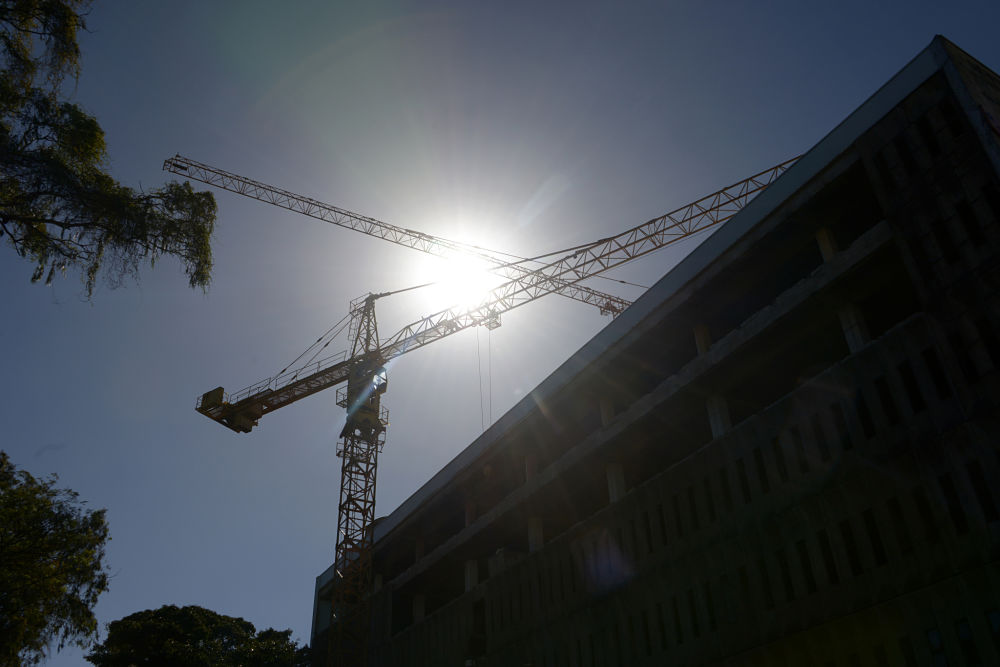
point(524, 127)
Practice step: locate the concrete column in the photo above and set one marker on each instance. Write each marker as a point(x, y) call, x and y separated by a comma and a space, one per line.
point(418, 549)
point(827, 246)
point(471, 574)
point(616, 481)
point(607, 410)
point(536, 537)
point(702, 339)
point(377, 583)
point(718, 415)
point(470, 512)
point(418, 608)
point(853, 324)
point(530, 466)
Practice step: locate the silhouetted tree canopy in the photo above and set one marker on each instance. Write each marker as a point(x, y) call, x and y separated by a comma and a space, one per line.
point(194, 637)
point(59, 208)
point(51, 566)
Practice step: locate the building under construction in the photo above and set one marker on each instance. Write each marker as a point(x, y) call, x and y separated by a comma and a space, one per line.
point(786, 452)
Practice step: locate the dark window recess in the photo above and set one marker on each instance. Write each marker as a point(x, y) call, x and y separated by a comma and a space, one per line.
point(693, 611)
point(993, 618)
point(905, 155)
point(926, 516)
point(727, 496)
point(967, 643)
point(779, 459)
point(895, 300)
point(765, 584)
point(786, 574)
point(853, 556)
point(881, 659)
point(807, 569)
point(871, 527)
point(906, 650)
point(938, 377)
point(888, 404)
point(970, 225)
point(935, 642)
point(864, 415)
point(709, 500)
point(961, 351)
point(826, 551)
point(982, 490)
point(954, 504)
point(944, 241)
point(991, 193)
point(710, 607)
point(744, 584)
point(663, 524)
point(741, 470)
point(647, 522)
point(646, 632)
point(848, 206)
point(884, 173)
point(840, 425)
point(758, 458)
point(677, 515)
point(693, 507)
point(911, 386)
point(919, 247)
point(952, 117)
point(927, 136)
point(988, 335)
point(661, 621)
point(678, 632)
point(817, 428)
point(898, 522)
point(800, 449)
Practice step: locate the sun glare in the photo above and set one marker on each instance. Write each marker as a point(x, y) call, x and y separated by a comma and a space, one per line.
point(460, 281)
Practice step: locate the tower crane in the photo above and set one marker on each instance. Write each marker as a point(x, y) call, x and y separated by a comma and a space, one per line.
point(363, 373)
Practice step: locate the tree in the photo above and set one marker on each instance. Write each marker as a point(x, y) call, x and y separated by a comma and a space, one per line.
point(51, 566)
point(59, 207)
point(194, 637)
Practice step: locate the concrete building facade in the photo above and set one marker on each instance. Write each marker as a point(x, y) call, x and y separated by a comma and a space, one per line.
point(786, 452)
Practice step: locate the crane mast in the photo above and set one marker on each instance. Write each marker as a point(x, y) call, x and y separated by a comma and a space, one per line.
point(361, 440)
point(363, 371)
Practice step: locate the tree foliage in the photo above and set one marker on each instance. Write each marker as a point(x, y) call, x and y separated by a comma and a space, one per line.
point(194, 637)
point(51, 566)
point(59, 207)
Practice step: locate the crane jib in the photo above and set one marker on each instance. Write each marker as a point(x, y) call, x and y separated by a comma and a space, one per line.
point(241, 411)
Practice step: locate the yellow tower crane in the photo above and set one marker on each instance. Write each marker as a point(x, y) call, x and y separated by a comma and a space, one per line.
point(363, 374)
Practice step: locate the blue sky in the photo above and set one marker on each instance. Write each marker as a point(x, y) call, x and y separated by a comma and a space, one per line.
point(522, 127)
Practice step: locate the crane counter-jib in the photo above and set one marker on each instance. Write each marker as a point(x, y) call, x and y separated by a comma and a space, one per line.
point(241, 410)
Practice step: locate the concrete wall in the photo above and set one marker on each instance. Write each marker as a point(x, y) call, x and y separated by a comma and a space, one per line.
point(792, 458)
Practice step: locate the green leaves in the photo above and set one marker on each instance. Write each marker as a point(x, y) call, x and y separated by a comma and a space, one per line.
point(59, 208)
point(194, 637)
point(51, 566)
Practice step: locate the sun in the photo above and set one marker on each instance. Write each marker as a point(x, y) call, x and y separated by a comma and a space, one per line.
point(460, 281)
